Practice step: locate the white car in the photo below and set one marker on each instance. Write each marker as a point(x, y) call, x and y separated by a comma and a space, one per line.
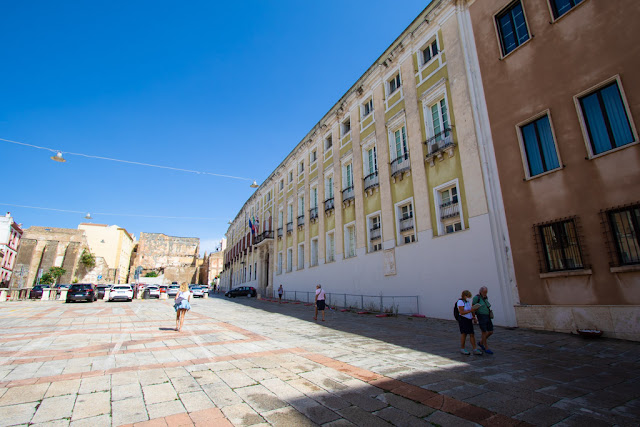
point(154, 291)
point(197, 292)
point(120, 292)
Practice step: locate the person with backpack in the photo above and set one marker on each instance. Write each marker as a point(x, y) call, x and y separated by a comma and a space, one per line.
point(484, 315)
point(464, 313)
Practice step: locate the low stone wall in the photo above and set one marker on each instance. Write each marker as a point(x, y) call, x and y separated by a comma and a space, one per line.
point(615, 321)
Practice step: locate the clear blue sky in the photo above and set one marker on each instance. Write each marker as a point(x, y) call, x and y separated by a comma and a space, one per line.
point(223, 87)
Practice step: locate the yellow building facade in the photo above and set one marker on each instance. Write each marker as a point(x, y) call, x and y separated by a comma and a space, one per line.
point(112, 243)
point(386, 194)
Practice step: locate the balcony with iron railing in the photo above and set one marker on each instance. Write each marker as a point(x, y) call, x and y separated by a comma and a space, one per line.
point(406, 223)
point(290, 227)
point(301, 220)
point(280, 232)
point(371, 181)
point(449, 209)
point(400, 165)
point(348, 194)
point(313, 214)
point(329, 204)
point(262, 237)
point(375, 233)
point(438, 144)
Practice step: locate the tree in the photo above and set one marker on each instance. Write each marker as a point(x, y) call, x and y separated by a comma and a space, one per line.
point(88, 259)
point(151, 274)
point(47, 279)
point(56, 273)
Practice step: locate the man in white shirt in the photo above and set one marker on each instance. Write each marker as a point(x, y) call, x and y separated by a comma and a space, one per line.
point(320, 304)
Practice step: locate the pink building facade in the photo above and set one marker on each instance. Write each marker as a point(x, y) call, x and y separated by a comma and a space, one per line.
point(10, 235)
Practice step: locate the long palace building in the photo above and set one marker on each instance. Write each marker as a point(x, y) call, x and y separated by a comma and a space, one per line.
point(401, 188)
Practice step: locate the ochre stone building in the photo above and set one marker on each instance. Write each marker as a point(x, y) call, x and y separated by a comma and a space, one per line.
point(175, 257)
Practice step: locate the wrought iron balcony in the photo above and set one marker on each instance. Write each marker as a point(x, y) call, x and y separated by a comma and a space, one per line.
point(280, 232)
point(371, 181)
point(449, 209)
point(301, 220)
point(259, 238)
point(348, 194)
point(289, 227)
point(313, 213)
point(439, 141)
point(374, 233)
point(400, 165)
point(406, 224)
point(328, 204)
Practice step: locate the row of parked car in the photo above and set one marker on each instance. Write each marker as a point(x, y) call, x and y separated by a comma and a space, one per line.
point(90, 292)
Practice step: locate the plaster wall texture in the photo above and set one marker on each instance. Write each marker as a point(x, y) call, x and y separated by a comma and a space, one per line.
point(112, 243)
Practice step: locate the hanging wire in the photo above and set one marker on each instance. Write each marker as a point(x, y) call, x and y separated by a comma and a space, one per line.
point(126, 161)
point(108, 213)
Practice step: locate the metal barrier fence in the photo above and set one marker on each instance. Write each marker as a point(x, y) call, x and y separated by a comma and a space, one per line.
point(405, 304)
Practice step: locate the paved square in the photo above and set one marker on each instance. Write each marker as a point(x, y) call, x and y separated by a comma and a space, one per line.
point(253, 362)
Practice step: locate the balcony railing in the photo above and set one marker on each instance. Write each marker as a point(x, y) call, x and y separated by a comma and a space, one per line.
point(267, 234)
point(301, 220)
point(374, 233)
point(348, 194)
point(406, 224)
point(328, 204)
point(371, 181)
point(400, 164)
point(280, 232)
point(313, 213)
point(439, 141)
point(449, 210)
point(289, 227)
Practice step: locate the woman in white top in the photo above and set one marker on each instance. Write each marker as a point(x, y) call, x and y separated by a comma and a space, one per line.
point(320, 304)
point(182, 305)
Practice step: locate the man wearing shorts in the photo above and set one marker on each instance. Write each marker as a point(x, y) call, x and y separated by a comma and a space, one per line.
point(319, 302)
point(484, 318)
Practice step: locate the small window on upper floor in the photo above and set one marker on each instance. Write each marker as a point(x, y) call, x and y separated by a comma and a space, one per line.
point(345, 126)
point(394, 84)
point(328, 143)
point(290, 176)
point(605, 119)
point(406, 225)
point(560, 7)
point(429, 51)
point(301, 167)
point(539, 146)
point(512, 27)
point(367, 107)
point(269, 196)
point(281, 184)
point(313, 156)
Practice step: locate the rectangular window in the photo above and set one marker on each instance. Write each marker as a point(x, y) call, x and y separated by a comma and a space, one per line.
point(561, 246)
point(439, 119)
point(606, 120)
point(375, 234)
point(300, 205)
point(300, 256)
point(301, 167)
point(314, 252)
point(313, 200)
point(367, 108)
point(328, 187)
point(290, 213)
point(512, 27)
point(372, 161)
point(429, 52)
point(625, 225)
point(280, 219)
point(539, 146)
point(345, 126)
point(330, 247)
point(289, 260)
point(313, 156)
point(281, 184)
point(279, 263)
point(394, 84)
point(328, 143)
point(350, 241)
point(449, 209)
point(560, 7)
point(400, 139)
point(347, 176)
point(290, 177)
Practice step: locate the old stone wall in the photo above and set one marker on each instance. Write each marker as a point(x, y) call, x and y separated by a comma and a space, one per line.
point(177, 257)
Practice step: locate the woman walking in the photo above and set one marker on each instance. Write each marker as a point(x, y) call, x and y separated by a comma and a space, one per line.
point(182, 305)
point(280, 292)
point(465, 322)
point(320, 303)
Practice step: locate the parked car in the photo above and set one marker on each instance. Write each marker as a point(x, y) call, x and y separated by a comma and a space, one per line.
point(36, 292)
point(242, 291)
point(163, 289)
point(102, 289)
point(82, 292)
point(173, 290)
point(153, 290)
point(120, 292)
point(197, 292)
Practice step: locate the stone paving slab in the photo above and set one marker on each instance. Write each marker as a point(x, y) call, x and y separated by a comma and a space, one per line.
point(251, 362)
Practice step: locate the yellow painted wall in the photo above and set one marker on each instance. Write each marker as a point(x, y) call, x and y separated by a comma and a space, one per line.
point(395, 109)
point(372, 203)
point(313, 229)
point(349, 214)
point(300, 236)
point(401, 190)
point(330, 223)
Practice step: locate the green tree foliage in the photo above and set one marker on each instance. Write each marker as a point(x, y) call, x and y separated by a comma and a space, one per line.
point(88, 259)
point(151, 274)
point(56, 273)
point(47, 279)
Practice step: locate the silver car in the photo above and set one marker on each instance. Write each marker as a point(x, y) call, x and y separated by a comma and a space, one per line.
point(154, 291)
point(197, 292)
point(173, 290)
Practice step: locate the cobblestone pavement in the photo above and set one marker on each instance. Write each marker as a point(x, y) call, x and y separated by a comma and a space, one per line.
point(253, 362)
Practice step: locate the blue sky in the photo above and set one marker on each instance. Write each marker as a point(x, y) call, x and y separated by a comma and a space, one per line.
point(227, 88)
